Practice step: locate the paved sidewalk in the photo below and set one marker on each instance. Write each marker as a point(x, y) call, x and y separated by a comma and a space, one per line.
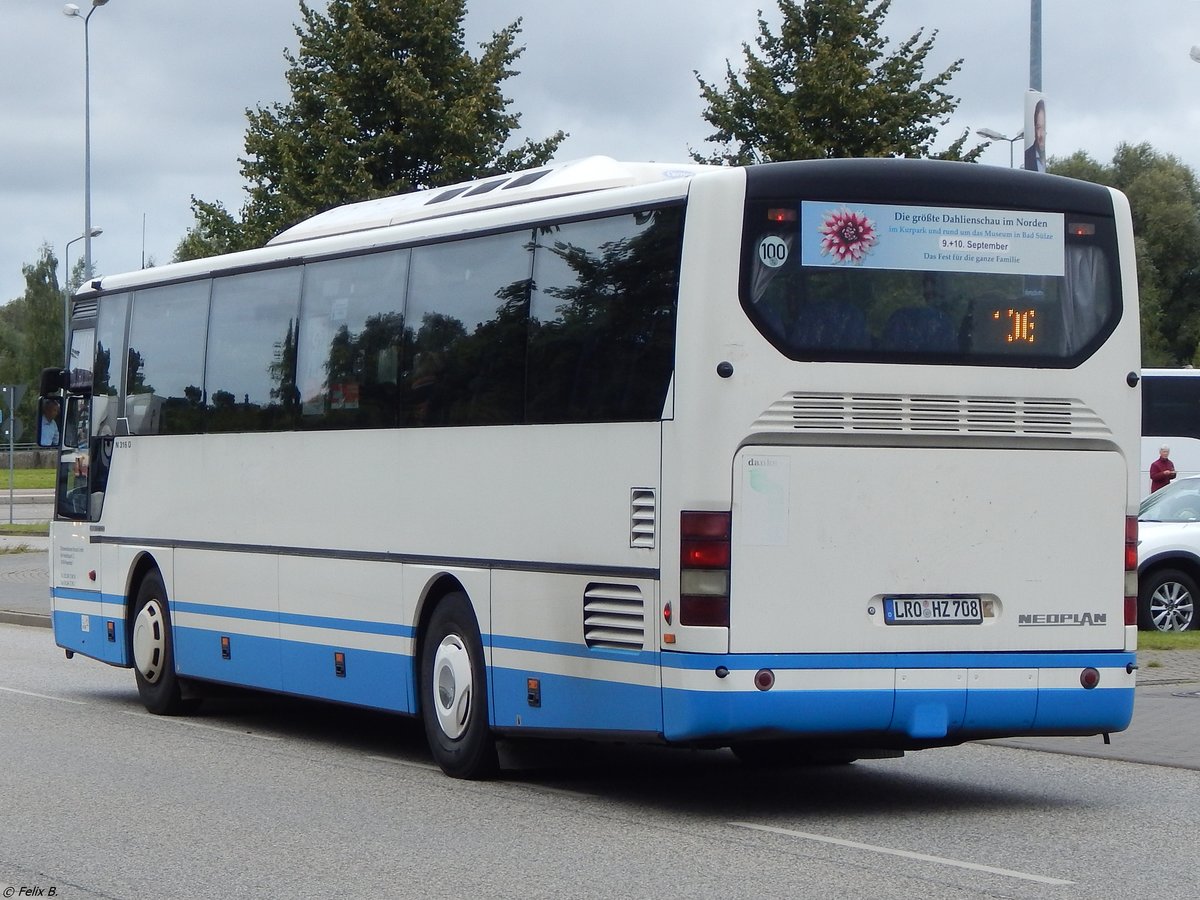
point(25, 506)
point(24, 580)
point(1166, 718)
point(23, 495)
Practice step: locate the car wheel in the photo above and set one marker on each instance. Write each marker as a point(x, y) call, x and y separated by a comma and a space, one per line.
point(1167, 601)
point(454, 704)
point(153, 651)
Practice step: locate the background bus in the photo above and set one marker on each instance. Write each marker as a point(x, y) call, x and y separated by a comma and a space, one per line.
point(816, 460)
point(1170, 417)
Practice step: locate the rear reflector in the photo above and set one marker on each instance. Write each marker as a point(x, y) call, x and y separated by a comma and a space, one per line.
point(711, 611)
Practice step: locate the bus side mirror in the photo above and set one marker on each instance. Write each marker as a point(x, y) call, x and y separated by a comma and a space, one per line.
point(49, 422)
point(54, 380)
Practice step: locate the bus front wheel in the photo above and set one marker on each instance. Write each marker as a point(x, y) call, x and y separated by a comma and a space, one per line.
point(153, 650)
point(454, 705)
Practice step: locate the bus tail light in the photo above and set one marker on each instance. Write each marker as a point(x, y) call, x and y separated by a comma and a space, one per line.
point(1131, 564)
point(705, 552)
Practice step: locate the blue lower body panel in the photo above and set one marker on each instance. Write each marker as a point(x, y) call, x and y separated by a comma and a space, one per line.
point(356, 676)
point(363, 678)
point(885, 699)
point(574, 704)
point(697, 715)
point(86, 625)
point(251, 661)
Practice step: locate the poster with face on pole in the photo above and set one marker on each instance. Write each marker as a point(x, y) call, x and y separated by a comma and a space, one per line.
point(1035, 131)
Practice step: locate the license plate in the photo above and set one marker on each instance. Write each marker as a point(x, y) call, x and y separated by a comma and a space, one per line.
point(932, 610)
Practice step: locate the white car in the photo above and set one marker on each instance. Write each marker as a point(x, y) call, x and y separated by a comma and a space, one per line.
point(1169, 557)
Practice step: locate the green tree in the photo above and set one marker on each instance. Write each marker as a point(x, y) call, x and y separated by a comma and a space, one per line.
point(216, 231)
point(31, 329)
point(827, 86)
point(385, 99)
point(1164, 198)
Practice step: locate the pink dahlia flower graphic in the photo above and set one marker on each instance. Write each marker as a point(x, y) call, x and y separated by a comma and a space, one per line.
point(846, 236)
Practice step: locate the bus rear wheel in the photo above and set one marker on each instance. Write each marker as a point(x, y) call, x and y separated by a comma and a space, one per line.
point(454, 704)
point(153, 651)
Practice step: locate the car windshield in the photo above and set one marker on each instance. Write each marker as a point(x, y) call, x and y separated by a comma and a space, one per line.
point(1178, 502)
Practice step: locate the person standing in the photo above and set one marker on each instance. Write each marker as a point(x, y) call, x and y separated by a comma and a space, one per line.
point(1162, 470)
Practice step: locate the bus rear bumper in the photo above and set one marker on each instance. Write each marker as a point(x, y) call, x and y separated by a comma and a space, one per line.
point(901, 700)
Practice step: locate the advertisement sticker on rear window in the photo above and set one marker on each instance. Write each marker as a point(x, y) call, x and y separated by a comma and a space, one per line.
point(930, 238)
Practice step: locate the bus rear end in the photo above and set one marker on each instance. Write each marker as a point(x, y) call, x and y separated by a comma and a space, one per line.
point(913, 519)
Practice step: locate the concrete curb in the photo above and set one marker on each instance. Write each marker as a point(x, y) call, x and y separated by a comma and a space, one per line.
point(33, 620)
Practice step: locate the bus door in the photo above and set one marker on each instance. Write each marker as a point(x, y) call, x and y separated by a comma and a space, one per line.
point(84, 618)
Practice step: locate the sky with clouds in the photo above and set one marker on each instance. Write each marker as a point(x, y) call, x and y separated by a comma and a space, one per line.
point(172, 79)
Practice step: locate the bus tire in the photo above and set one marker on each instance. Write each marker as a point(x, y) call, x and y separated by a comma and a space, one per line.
point(153, 650)
point(454, 705)
point(1167, 601)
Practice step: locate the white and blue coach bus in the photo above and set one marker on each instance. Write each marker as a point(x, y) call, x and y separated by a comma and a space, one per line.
point(817, 460)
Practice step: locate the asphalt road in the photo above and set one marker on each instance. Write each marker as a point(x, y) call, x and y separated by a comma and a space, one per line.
point(262, 796)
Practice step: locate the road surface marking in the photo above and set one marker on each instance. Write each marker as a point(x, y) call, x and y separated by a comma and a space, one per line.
point(43, 696)
point(907, 854)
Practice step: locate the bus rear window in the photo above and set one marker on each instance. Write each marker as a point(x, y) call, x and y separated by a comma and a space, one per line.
point(828, 280)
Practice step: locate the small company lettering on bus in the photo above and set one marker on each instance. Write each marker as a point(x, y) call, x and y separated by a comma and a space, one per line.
point(1070, 618)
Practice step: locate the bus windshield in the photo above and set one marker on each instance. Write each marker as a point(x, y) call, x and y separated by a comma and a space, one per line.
point(827, 280)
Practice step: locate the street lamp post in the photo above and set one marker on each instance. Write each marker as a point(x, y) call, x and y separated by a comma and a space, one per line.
point(1035, 46)
point(71, 10)
point(992, 135)
point(67, 292)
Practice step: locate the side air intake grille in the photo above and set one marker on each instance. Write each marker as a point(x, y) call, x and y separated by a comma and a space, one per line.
point(614, 617)
point(928, 414)
point(85, 309)
point(642, 518)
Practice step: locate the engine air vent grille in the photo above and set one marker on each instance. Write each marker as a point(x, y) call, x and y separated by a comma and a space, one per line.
point(643, 513)
point(614, 617)
point(931, 414)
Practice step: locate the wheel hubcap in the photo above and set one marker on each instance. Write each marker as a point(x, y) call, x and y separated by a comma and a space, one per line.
point(452, 686)
point(1171, 607)
point(150, 641)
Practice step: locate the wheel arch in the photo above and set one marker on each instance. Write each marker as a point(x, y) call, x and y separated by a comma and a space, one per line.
point(1185, 562)
point(142, 565)
point(436, 589)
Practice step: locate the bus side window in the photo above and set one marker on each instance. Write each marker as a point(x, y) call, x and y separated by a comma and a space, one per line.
point(49, 428)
